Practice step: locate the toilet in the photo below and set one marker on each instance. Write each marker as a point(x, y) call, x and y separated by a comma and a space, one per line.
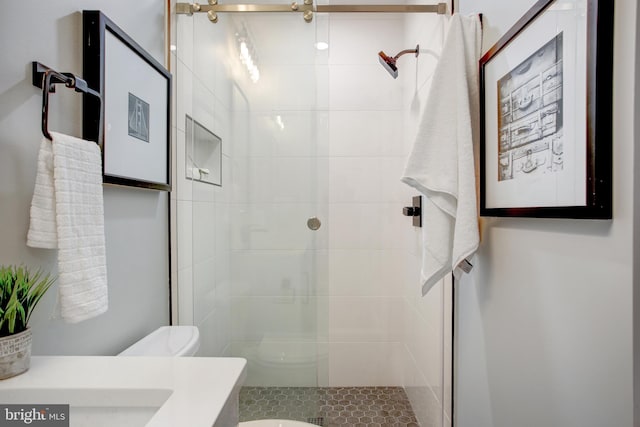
point(185, 341)
point(167, 341)
point(285, 360)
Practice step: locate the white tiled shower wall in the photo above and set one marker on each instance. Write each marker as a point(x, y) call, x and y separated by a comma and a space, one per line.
point(368, 235)
point(369, 316)
point(202, 210)
point(428, 325)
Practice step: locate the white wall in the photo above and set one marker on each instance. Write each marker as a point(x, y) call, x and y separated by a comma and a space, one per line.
point(544, 333)
point(369, 238)
point(136, 221)
point(427, 320)
point(202, 223)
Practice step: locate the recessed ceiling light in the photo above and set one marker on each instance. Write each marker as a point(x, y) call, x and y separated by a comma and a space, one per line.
point(322, 45)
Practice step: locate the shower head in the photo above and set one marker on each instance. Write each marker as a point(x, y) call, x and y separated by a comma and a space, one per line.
point(389, 63)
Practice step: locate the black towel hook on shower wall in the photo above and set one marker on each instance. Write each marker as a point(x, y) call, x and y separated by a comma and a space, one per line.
point(46, 78)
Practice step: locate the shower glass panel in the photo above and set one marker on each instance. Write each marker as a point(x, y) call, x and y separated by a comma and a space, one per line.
point(278, 108)
point(298, 258)
point(258, 249)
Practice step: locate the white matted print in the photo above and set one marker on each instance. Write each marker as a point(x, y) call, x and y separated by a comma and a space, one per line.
point(535, 144)
point(136, 114)
point(538, 108)
point(135, 129)
point(530, 115)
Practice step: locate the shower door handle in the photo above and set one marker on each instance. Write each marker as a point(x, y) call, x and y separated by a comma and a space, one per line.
point(313, 223)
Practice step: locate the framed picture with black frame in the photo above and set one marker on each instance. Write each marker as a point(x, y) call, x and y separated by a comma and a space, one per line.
point(136, 93)
point(546, 114)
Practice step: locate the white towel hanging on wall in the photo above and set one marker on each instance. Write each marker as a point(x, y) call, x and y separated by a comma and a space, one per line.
point(67, 212)
point(441, 164)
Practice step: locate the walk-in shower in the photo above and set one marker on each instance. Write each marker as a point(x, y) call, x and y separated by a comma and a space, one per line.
point(300, 259)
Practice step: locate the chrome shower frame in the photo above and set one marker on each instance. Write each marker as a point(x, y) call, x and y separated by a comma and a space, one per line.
point(307, 8)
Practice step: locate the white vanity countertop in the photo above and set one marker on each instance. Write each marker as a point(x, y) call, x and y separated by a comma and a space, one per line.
point(199, 386)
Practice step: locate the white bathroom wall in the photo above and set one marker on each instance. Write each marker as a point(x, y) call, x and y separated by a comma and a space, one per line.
point(427, 320)
point(544, 335)
point(369, 238)
point(136, 221)
point(202, 210)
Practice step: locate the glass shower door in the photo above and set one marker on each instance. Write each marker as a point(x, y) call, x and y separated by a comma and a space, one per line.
point(258, 84)
point(279, 201)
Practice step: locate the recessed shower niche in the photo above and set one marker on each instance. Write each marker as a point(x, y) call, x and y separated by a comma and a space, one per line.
point(203, 154)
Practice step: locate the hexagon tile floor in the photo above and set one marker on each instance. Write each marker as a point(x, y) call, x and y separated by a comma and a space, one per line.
point(329, 406)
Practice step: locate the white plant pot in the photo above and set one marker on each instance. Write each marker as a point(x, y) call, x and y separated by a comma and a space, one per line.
point(15, 354)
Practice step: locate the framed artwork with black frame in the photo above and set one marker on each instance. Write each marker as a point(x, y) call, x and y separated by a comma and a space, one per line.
point(136, 92)
point(546, 114)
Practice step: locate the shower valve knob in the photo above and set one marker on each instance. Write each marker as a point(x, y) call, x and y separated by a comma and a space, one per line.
point(415, 211)
point(410, 211)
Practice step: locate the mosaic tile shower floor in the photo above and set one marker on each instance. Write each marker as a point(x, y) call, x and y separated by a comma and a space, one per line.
point(329, 406)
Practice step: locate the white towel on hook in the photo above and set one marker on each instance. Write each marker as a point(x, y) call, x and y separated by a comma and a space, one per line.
point(42, 227)
point(67, 212)
point(441, 164)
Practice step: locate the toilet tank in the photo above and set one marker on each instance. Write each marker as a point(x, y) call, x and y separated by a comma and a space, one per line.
point(167, 341)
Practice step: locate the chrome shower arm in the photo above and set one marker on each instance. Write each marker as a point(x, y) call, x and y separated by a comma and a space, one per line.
point(404, 52)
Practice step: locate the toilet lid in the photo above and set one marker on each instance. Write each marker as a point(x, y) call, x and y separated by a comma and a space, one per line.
point(167, 341)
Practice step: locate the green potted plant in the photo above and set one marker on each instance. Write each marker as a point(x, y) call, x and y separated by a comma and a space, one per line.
point(20, 291)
